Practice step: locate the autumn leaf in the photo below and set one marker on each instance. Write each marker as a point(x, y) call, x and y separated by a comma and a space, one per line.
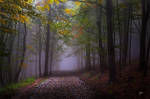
point(63, 1)
point(28, 1)
point(68, 11)
point(57, 2)
point(64, 32)
point(47, 7)
point(1, 0)
point(78, 3)
point(50, 1)
point(21, 18)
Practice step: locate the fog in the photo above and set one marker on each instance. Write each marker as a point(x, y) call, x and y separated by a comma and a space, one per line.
point(68, 61)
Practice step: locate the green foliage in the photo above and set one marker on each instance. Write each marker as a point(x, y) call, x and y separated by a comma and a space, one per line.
point(10, 88)
point(15, 11)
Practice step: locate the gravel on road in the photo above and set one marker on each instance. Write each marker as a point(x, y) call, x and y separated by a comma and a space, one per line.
point(58, 88)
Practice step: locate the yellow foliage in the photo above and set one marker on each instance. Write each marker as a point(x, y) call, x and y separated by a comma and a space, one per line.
point(21, 18)
point(100, 2)
point(70, 11)
point(78, 3)
point(63, 1)
point(64, 32)
point(57, 2)
point(50, 1)
point(46, 6)
point(3, 21)
point(15, 7)
point(1, 0)
point(28, 1)
point(39, 8)
point(24, 19)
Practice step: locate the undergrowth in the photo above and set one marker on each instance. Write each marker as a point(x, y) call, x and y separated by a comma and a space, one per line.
point(10, 88)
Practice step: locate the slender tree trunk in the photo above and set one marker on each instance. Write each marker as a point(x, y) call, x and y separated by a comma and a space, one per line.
point(88, 59)
point(94, 59)
point(145, 17)
point(12, 38)
point(40, 50)
point(23, 54)
point(82, 61)
point(101, 49)
point(110, 43)
point(127, 12)
point(147, 58)
point(120, 37)
point(47, 43)
point(130, 40)
point(51, 55)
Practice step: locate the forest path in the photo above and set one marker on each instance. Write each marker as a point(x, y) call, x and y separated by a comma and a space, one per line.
point(70, 87)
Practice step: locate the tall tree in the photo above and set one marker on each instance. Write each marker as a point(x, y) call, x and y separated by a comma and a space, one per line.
point(47, 45)
point(40, 49)
point(145, 18)
point(111, 53)
point(23, 53)
point(101, 49)
point(125, 34)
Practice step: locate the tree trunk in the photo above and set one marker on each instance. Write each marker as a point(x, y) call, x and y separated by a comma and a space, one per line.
point(40, 50)
point(110, 43)
point(127, 17)
point(145, 17)
point(47, 50)
point(51, 54)
point(101, 49)
point(147, 58)
point(23, 54)
point(88, 59)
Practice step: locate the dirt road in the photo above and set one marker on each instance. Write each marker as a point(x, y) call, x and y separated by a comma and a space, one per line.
point(69, 87)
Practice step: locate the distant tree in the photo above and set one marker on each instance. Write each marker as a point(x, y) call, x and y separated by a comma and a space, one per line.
point(47, 47)
point(40, 49)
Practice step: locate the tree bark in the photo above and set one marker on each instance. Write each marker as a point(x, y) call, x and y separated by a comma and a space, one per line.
point(145, 17)
point(40, 50)
point(110, 43)
point(23, 54)
point(47, 43)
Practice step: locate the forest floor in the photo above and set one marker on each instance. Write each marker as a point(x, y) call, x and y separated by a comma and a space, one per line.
point(67, 87)
point(130, 84)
